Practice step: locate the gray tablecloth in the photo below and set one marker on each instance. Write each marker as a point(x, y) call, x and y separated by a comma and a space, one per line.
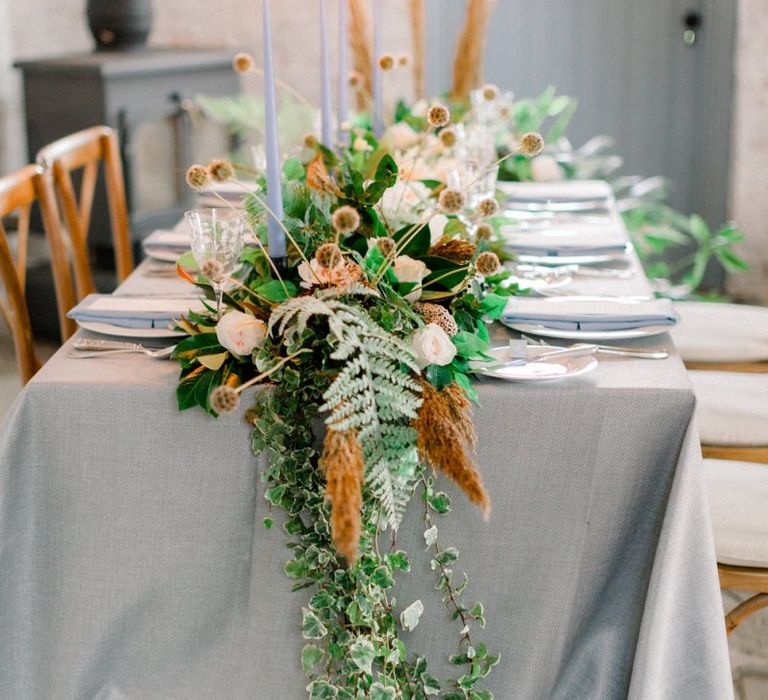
point(133, 562)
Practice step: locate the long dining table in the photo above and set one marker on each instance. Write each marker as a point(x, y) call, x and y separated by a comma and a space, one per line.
point(134, 562)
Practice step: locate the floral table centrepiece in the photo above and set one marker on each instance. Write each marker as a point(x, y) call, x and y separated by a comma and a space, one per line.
point(362, 344)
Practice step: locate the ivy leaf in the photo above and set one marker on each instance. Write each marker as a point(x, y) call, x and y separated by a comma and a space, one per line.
point(311, 655)
point(431, 684)
point(440, 502)
point(382, 578)
point(399, 561)
point(430, 536)
point(379, 692)
point(447, 556)
point(410, 617)
point(362, 654)
point(320, 690)
point(311, 626)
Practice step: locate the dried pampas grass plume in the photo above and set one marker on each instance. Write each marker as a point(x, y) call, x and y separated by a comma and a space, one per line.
point(468, 63)
point(445, 436)
point(342, 462)
point(360, 43)
point(418, 40)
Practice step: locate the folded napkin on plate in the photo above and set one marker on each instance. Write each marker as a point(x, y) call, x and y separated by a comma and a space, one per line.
point(569, 190)
point(576, 239)
point(602, 315)
point(132, 312)
point(176, 241)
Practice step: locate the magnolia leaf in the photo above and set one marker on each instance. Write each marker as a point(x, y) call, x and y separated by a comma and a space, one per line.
point(430, 536)
point(213, 362)
point(379, 692)
point(410, 617)
point(311, 655)
point(311, 626)
point(362, 654)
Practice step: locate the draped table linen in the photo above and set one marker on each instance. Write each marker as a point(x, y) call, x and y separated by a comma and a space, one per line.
point(134, 562)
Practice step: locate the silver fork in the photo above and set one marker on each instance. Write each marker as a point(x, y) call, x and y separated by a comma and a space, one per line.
point(88, 347)
point(612, 350)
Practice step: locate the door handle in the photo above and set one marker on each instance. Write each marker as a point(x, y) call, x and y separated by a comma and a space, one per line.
point(692, 21)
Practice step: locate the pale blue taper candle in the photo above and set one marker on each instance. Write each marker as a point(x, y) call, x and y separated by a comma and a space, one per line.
point(326, 128)
point(342, 102)
point(378, 92)
point(276, 236)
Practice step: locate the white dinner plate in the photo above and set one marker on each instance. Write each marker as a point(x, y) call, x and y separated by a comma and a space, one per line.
point(574, 259)
point(163, 254)
point(628, 334)
point(538, 285)
point(554, 370)
point(121, 332)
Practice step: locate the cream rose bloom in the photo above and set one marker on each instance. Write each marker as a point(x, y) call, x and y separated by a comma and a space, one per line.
point(437, 226)
point(240, 333)
point(404, 203)
point(432, 346)
point(546, 169)
point(399, 137)
point(406, 270)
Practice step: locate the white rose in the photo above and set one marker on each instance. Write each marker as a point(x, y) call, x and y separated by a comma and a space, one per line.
point(240, 333)
point(437, 227)
point(399, 137)
point(404, 203)
point(432, 346)
point(545, 169)
point(406, 270)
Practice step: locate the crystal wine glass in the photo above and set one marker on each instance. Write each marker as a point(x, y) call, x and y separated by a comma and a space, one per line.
point(217, 241)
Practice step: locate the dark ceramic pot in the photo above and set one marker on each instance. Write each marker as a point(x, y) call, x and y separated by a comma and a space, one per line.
point(120, 24)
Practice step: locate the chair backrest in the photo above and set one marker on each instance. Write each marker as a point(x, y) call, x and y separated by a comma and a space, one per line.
point(18, 192)
point(85, 150)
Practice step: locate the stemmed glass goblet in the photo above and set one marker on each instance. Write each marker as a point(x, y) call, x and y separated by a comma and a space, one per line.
point(217, 241)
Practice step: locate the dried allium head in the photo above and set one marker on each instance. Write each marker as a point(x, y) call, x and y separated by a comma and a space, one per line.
point(439, 315)
point(198, 177)
point(310, 141)
point(505, 112)
point(487, 207)
point(387, 246)
point(448, 137)
point(345, 220)
point(488, 263)
point(483, 232)
point(452, 201)
point(213, 269)
point(342, 462)
point(403, 60)
point(386, 62)
point(531, 144)
point(224, 399)
point(329, 256)
point(445, 434)
point(458, 250)
point(438, 115)
point(355, 80)
point(221, 170)
point(490, 92)
point(243, 62)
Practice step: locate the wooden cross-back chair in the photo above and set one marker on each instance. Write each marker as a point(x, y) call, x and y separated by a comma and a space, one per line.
point(744, 578)
point(86, 150)
point(18, 193)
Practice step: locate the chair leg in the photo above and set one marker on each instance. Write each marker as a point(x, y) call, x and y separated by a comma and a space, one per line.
point(741, 612)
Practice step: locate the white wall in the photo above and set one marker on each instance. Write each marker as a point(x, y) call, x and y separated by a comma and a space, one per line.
point(46, 27)
point(749, 170)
